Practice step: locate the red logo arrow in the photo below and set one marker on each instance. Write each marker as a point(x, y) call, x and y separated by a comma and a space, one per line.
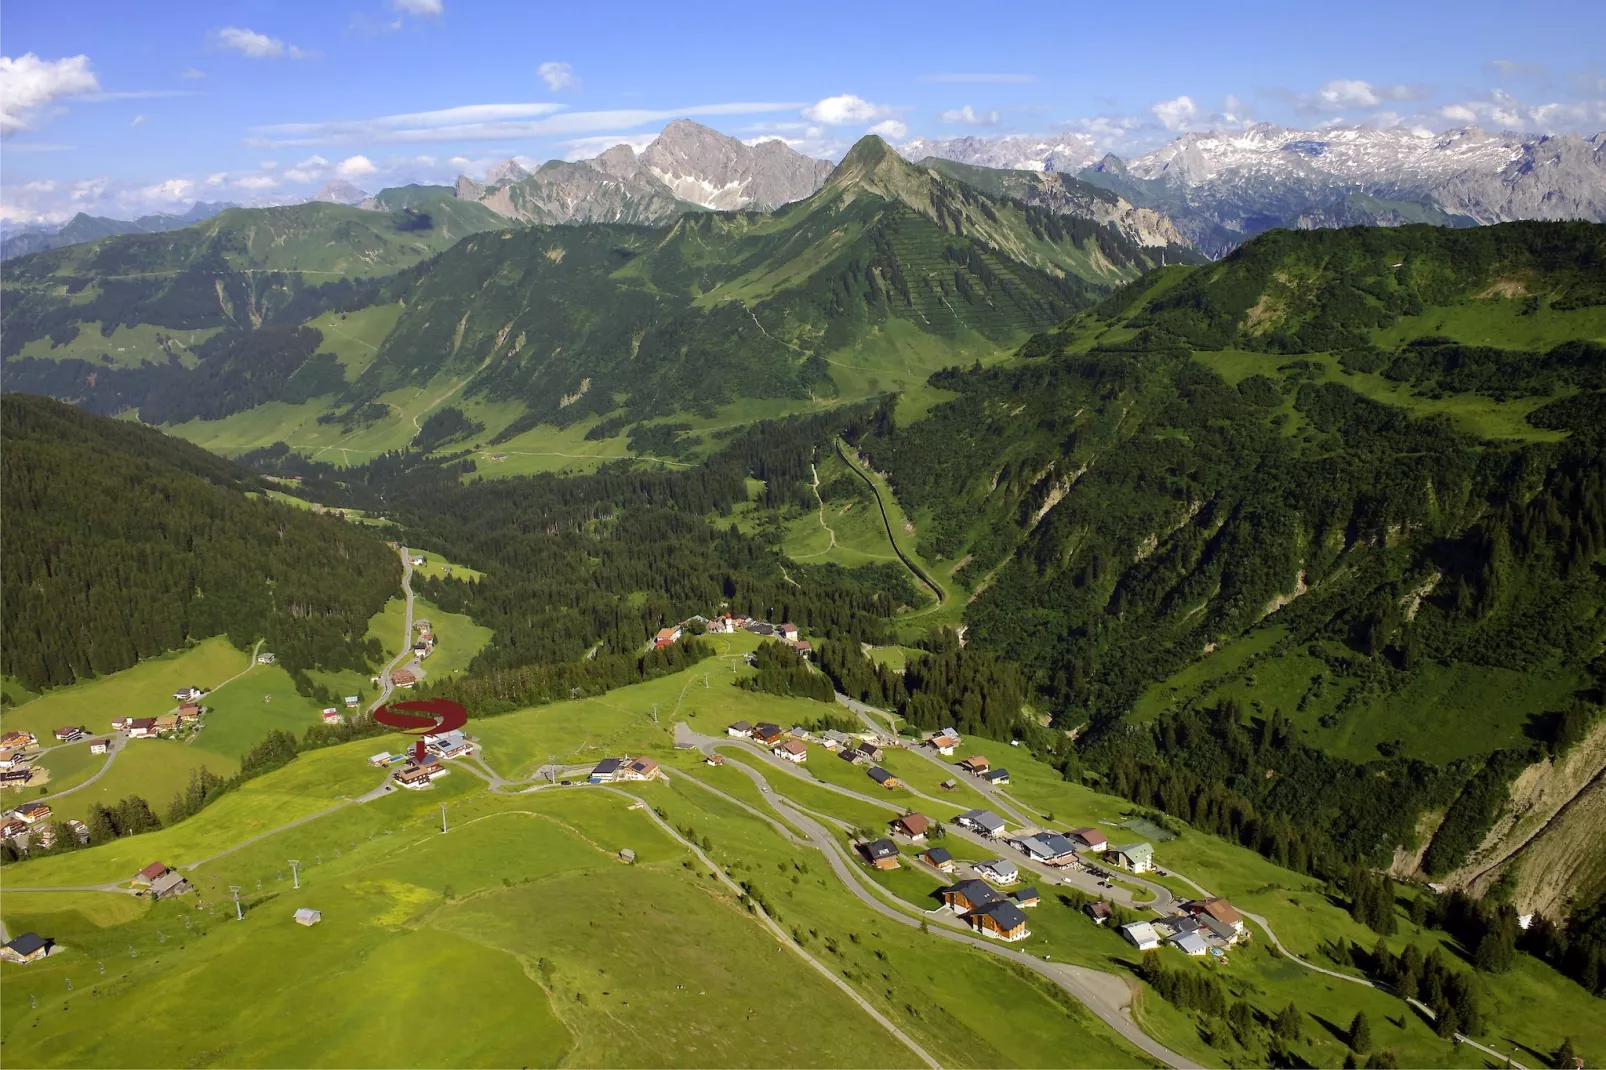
point(442, 715)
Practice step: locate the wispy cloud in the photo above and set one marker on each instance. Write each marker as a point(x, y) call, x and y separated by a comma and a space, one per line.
point(968, 116)
point(583, 148)
point(427, 8)
point(135, 94)
point(892, 129)
point(1505, 68)
point(192, 73)
point(255, 45)
point(28, 85)
point(558, 76)
point(490, 122)
point(1349, 94)
point(980, 79)
point(138, 120)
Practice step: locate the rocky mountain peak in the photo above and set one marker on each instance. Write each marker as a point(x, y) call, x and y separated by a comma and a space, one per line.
point(506, 173)
point(339, 191)
point(720, 172)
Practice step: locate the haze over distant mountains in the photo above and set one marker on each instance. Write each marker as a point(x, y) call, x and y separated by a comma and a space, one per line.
point(83, 227)
point(1221, 188)
point(1211, 190)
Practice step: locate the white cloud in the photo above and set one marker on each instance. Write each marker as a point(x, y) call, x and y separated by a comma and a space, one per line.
point(216, 179)
point(969, 116)
point(844, 109)
point(1348, 94)
point(255, 45)
point(192, 74)
point(1176, 114)
point(256, 182)
point(558, 76)
point(488, 122)
point(28, 83)
point(980, 79)
point(1502, 111)
point(138, 120)
point(430, 8)
point(174, 189)
point(890, 128)
point(355, 167)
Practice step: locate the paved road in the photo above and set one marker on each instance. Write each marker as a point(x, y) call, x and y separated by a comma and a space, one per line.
point(1161, 898)
point(993, 795)
point(1106, 995)
point(118, 740)
point(385, 686)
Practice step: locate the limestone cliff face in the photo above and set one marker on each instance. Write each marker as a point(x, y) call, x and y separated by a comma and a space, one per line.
point(687, 167)
point(1547, 842)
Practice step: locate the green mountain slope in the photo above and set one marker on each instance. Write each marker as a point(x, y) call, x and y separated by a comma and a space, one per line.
point(727, 305)
point(1354, 481)
point(122, 543)
point(888, 267)
point(221, 302)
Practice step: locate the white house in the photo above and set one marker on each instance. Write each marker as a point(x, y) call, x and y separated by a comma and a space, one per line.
point(352, 702)
point(1190, 943)
point(792, 751)
point(1142, 935)
point(983, 821)
point(1137, 857)
point(999, 871)
point(451, 744)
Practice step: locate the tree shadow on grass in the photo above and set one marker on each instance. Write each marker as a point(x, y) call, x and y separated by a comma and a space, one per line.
point(1340, 1033)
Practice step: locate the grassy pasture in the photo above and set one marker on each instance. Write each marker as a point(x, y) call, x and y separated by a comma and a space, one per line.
point(143, 690)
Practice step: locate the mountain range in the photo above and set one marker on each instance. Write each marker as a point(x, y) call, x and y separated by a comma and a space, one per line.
point(886, 264)
point(686, 168)
point(1221, 188)
point(85, 228)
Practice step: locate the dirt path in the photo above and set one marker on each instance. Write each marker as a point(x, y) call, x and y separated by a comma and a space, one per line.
point(815, 472)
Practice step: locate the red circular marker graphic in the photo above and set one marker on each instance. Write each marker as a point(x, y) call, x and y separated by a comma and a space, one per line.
point(422, 717)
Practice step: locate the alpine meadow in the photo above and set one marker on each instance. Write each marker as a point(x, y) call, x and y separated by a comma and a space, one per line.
point(1099, 563)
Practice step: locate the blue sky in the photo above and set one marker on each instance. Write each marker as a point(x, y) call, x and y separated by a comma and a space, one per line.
point(125, 108)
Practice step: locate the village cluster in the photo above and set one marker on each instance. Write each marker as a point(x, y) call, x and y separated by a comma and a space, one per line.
point(408, 771)
point(994, 901)
point(726, 624)
point(408, 676)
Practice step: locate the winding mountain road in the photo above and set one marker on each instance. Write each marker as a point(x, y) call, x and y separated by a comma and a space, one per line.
point(385, 684)
point(1106, 995)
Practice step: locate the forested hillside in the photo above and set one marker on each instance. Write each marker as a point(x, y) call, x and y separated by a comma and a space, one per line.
point(556, 325)
point(122, 543)
point(1346, 486)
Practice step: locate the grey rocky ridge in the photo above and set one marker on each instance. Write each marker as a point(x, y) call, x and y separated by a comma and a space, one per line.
point(1222, 188)
point(686, 168)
